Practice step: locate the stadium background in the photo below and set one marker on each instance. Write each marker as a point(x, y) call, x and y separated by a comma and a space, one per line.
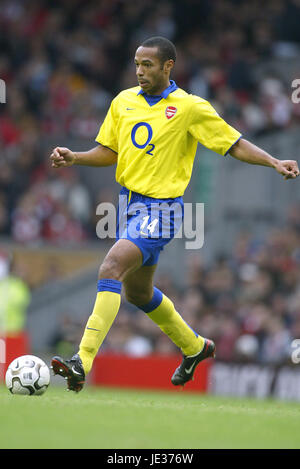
point(62, 63)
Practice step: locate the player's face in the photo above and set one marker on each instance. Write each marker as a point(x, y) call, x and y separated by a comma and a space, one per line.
point(152, 75)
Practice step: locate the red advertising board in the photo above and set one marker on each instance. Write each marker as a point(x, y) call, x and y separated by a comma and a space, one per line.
point(11, 348)
point(151, 372)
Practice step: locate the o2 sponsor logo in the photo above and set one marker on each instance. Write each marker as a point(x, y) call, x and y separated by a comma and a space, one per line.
point(148, 139)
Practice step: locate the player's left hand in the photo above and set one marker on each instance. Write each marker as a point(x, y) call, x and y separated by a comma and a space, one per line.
point(288, 168)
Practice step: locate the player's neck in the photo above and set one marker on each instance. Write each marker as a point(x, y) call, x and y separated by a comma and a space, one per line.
point(158, 91)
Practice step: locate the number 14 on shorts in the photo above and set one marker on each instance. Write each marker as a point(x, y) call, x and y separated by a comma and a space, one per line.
point(150, 227)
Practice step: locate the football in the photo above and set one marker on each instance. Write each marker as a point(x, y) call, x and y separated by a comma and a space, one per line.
point(28, 375)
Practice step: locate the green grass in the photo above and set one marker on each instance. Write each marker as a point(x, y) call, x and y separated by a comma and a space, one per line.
point(115, 419)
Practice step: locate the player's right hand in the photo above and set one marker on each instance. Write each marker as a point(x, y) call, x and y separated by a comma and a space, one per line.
point(62, 157)
point(287, 168)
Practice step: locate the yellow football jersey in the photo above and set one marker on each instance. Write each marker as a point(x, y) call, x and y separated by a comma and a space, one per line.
point(156, 144)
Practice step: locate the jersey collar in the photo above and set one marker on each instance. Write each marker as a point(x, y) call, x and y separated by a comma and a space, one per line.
point(165, 93)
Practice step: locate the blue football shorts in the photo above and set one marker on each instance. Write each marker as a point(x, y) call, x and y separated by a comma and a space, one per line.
point(148, 222)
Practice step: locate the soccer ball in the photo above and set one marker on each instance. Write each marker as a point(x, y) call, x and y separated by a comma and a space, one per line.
point(27, 375)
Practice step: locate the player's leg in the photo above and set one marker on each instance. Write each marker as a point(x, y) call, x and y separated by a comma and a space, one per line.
point(140, 291)
point(123, 258)
point(138, 285)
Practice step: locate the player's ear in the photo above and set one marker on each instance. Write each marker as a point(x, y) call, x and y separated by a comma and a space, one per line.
point(168, 65)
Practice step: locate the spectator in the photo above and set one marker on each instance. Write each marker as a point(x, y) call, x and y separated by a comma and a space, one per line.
point(15, 298)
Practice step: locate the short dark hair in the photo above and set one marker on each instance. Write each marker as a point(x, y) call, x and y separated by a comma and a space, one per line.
point(166, 48)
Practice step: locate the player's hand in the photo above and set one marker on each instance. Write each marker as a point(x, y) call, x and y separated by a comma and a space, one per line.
point(62, 157)
point(287, 168)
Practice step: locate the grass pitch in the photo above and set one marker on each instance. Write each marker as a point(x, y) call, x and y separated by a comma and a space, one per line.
point(117, 419)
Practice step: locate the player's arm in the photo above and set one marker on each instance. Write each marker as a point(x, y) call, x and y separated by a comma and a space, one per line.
point(62, 157)
point(250, 153)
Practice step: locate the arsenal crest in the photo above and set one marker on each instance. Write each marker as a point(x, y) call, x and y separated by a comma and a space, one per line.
point(170, 111)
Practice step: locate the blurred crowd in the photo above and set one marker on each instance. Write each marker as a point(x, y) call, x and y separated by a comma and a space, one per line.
point(63, 61)
point(248, 303)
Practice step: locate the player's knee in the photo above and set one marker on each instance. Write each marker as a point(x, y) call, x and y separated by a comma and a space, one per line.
point(111, 269)
point(138, 298)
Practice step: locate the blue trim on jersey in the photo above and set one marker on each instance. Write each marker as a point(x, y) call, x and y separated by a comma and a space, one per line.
point(232, 145)
point(154, 303)
point(107, 284)
point(151, 100)
point(105, 146)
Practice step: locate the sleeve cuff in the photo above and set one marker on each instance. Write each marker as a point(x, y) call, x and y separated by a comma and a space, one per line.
point(225, 154)
point(106, 146)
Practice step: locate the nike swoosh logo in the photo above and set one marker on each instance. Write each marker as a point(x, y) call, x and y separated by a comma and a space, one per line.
point(130, 109)
point(92, 329)
point(76, 372)
point(190, 369)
